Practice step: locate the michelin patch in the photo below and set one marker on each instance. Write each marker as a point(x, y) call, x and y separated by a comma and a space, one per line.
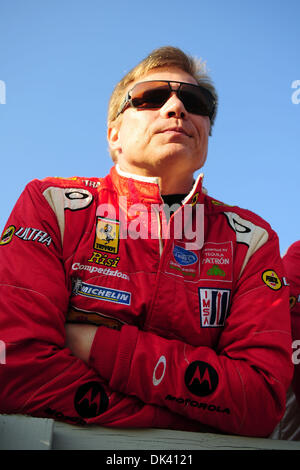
point(101, 293)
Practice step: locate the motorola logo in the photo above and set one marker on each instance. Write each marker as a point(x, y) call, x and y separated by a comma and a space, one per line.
point(90, 400)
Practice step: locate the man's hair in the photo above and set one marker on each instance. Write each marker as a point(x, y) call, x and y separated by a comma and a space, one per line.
point(166, 56)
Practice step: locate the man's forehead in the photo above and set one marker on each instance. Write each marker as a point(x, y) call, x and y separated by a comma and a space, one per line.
point(165, 73)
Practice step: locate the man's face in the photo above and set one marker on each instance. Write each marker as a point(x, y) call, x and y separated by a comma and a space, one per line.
point(156, 142)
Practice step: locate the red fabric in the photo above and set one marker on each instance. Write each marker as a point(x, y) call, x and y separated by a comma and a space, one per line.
point(176, 362)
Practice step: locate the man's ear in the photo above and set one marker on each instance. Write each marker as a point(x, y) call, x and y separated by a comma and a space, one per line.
point(113, 136)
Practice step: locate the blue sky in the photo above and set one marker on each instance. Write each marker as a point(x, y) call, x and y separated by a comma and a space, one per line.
point(60, 59)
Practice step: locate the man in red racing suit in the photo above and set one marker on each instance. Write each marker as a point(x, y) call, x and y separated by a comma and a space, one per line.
point(184, 335)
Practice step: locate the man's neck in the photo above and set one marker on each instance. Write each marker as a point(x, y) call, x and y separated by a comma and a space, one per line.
point(177, 185)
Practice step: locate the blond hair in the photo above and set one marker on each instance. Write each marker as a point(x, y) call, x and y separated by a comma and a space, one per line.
point(167, 56)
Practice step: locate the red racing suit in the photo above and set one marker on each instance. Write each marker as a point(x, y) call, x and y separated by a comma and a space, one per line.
point(196, 335)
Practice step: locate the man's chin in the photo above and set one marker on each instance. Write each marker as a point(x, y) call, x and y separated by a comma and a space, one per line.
point(179, 158)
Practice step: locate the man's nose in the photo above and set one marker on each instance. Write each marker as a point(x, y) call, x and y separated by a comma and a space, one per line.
point(174, 107)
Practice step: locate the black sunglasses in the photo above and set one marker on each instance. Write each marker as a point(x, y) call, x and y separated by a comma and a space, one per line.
point(155, 93)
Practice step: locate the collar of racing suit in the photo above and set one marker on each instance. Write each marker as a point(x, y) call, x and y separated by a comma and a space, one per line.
point(146, 189)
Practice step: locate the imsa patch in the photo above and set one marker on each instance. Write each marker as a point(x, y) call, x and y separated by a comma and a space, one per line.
point(214, 306)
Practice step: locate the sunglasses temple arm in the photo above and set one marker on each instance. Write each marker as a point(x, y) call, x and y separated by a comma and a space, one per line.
point(124, 105)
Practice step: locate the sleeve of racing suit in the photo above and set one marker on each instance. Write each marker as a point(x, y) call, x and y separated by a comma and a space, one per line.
point(291, 262)
point(240, 386)
point(39, 376)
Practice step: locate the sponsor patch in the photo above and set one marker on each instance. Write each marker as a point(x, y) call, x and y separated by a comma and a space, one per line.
point(271, 279)
point(244, 229)
point(101, 293)
point(216, 271)
point(91, 183)
point(184, 257)
point(26, 234)
point(107, 235)
point(77, 198)
point(34, 234)
point(103, 259)
point(201, 379)
point(7, 235)
point(103, 271)
point(159, 371)
point(216, 261)
point(214, 305)
point(183, 262)
point(90, 400)
point(198, 404)
point(195, 199)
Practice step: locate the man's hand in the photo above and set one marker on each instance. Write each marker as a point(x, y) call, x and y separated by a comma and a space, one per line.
point(79, 338)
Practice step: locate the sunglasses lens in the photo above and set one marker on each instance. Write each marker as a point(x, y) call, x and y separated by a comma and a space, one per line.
point(197, 100)
point(150, 95)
